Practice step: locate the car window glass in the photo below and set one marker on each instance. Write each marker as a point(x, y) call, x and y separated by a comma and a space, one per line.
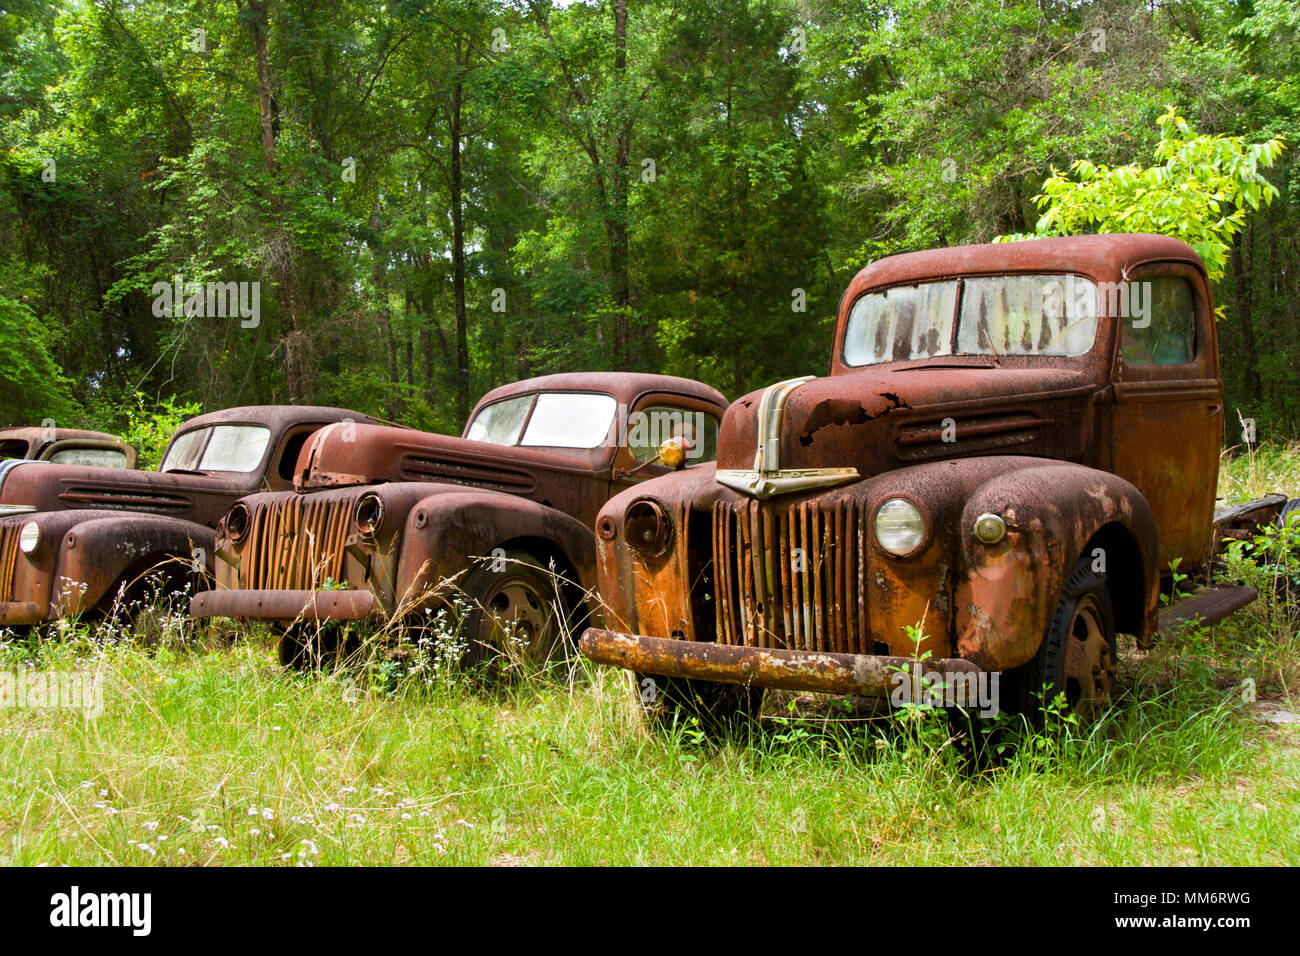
point(185, 450)
point(570, 420)
point(235, 448)
point(654, 424)
point(93, 457)
point(1160, 325)
point(501, 422)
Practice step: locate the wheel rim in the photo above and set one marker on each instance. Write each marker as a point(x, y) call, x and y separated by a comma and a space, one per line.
point(518, 620)
point(1089, 673)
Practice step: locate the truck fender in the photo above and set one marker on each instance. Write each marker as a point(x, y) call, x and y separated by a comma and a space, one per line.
point(99, 555)
point(445, 532)
point(1055, 514)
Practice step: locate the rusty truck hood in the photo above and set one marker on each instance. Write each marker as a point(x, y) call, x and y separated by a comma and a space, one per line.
point(50, 487)
point(862, 423)
point(339, 455)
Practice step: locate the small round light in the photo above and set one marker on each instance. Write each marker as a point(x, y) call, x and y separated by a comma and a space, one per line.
point(369, 515)
point(649, 532)
point(899, 527)
point(29, 539)
point(238, 519)
point(990, 528)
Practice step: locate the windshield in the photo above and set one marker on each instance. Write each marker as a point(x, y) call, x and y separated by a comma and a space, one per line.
point(218, 448)
point(984, 315)
point(547, 419)
point(94, 457)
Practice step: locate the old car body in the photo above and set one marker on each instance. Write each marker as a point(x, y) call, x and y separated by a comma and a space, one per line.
point(380, 522)
point(66, 446)
point(73, 536)
point(993, 416)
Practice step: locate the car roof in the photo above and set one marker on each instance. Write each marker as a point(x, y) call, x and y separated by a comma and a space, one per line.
point(278, 416)
point(626, 387)
point(1112, 254)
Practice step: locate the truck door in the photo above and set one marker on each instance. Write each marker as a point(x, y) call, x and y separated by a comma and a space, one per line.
point(1167, 427)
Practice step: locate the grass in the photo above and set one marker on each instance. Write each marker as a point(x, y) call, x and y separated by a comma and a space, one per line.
point(208, 752)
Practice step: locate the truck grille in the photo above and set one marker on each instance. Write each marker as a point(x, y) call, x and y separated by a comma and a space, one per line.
point(790, 577)
point(9, 532)
point(295, 543)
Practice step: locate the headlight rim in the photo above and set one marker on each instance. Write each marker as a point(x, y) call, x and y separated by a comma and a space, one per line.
point(369, 530)
point(927, 525)
point(237, 531)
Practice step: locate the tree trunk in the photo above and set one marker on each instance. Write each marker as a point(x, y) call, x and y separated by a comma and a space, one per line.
point(282, 252)
point(458, 250)
point(617, 221)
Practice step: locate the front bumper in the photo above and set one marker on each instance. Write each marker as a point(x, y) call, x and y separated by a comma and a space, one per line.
point(286, 605)
point(865, 675)
point(20, 613)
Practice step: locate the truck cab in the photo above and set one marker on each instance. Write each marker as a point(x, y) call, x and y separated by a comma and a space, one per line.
point(1014, 443)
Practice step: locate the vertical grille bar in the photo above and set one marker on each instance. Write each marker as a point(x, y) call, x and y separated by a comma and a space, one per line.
point(790, 577)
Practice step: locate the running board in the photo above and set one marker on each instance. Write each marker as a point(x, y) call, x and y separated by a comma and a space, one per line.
point(1209, 604)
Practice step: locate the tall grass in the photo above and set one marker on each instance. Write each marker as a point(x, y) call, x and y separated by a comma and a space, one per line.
point(209, 752)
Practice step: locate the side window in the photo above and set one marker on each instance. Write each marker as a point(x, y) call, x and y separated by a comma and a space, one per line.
point(654, 424)
point(1160, 327)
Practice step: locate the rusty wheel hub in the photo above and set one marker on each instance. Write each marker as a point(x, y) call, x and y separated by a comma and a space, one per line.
point(519, 620)
point(1089, 673)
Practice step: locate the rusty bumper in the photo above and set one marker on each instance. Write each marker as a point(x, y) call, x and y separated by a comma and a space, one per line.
point(19, 613)
point(286, 605)
point(866, 675)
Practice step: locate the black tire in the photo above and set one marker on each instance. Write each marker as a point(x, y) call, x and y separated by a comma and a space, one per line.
point(518, 613)
point(307, 646)
point(716, 708)
point(1076, 657)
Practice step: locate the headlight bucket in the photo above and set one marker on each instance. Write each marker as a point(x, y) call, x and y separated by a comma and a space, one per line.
point(237, 522)
point(900, 527)
point(369, 515)
point(29, 538)
point(649, 531)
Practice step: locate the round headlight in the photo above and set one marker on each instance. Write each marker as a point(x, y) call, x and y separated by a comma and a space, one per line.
point(899, 526)
point(238, 518)
point(29, 539)
point(369, 515)
point(990, 528)
point(649, 532)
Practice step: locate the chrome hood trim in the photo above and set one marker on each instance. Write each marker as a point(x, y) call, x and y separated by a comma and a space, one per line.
point(767, 478)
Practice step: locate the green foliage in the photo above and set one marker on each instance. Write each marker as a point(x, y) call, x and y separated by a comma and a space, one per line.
point(33, 388)
point(149, 429)
point(1201, 191)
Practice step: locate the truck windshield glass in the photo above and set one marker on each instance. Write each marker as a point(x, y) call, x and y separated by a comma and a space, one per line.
point(546, 419)
point(984, 315)
point(218, 448)
point(95, 457)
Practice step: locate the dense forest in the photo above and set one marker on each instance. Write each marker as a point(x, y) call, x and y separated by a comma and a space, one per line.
point(438, 196)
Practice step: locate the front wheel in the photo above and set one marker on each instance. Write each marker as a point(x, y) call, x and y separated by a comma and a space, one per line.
point(517, 613)
point(1076, 657)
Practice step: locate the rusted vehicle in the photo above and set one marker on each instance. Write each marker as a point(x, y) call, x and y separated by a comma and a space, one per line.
point(394, 524)
point(1013, 446)
point(72, 537)
point(66, 446)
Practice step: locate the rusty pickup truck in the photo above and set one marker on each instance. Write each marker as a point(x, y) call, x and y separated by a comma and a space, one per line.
point(65, 446)
point(73, 537)
point(1014, 445)
point(389, 525)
